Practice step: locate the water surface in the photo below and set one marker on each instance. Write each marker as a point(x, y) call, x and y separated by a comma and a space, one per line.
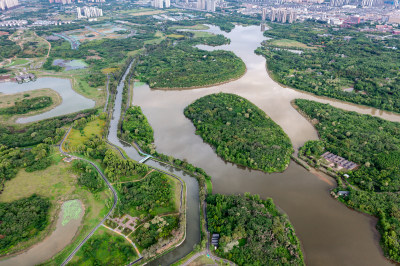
point(331, 234)
point(71, 101)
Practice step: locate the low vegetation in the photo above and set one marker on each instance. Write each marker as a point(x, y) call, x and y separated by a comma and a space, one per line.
point(240, 132)
point(252, 231)
point(374, 144)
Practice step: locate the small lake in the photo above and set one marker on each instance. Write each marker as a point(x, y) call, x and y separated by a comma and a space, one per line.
point(71, 100)
point(70, 64)
point(50, 246)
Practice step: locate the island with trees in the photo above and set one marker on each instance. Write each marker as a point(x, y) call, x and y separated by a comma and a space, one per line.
point(240, 132)
point(252, 231)
point(346, 63)
point(372, 143)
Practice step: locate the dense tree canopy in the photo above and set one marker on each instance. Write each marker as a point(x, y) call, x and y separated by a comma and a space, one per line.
point(181, 65)
point(252, 231)
point(27, 105)
point(345, 64)
point(22, 219)
point(373, 143)
point(136, 127)
point(240, 132)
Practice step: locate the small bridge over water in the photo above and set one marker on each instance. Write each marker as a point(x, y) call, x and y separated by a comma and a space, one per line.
point(145, 159)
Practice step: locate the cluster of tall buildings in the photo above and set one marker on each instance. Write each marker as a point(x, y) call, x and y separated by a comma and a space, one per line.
point(282, 15)
point(89, 12)
point(208, 5)
point(66, 2)
point(161, 3)
point(7, 4)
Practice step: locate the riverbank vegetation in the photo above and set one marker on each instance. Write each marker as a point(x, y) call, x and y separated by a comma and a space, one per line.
point(374, 144)
point(105, 248)
point(27, 105)
point(252, 231)
point(240, 132)
point(136, 127)
point(346, 64)
point(183, 66)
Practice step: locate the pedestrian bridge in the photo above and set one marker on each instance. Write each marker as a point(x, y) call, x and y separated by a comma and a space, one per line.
point(145, 159)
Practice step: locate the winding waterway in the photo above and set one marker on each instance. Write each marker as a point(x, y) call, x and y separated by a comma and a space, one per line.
point(331, 234)
point(71, 100)
point(192, 187)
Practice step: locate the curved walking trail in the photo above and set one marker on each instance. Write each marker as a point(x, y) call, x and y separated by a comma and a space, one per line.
point(109, 186)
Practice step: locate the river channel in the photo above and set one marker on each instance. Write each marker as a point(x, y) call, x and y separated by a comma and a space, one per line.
point(192, 187)
point(331, 234)
point(71, 100)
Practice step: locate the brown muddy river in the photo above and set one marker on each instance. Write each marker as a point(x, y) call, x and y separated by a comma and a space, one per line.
point(331, 234)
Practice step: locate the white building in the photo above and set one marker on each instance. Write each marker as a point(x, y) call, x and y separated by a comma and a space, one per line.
point(7, 4)
point(89, 12)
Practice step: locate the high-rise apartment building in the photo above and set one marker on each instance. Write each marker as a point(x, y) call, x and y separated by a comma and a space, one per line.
point(208, 5)
point(283, 15)
point(7, 4)
point(264, 14)
point(89, 12)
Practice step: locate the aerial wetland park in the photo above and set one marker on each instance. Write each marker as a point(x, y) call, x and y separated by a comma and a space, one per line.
point(199, 133)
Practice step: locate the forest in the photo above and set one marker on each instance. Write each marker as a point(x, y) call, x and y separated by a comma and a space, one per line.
point(136, 127)
point(157, 228)
point(148, 197)
point(22, 219)
point(252, 231)
point(240, 132)
point(27, 105)
point(88, 176)
point(183, 66)
point(8, 48)
point(37, 132)
point(374, 144)
point(345, 64)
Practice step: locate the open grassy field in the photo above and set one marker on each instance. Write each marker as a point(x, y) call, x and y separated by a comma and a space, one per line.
point(17, 62)
point(201, 34)
point(76, 138)
point(106, 247)
point(290, 43)
point(59, 184)
point(195, 27)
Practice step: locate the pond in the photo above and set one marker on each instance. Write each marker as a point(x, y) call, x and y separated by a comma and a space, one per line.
point(71, 100)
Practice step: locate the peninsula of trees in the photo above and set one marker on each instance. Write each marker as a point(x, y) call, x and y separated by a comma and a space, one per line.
point(252, 231)
point(183, 66)
point(346, 64)
point(374, 144)
point(240, 132)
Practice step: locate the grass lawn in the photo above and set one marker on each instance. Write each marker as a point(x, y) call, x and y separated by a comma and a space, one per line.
point(147, 12)
point(17, 62)
point(176, 36)
point(195, 27)
point(76, 138)
point(107, 248)
point(201, 34)
point(290, 43)
point(8, 100)
point(209, 186)
point(202, 260)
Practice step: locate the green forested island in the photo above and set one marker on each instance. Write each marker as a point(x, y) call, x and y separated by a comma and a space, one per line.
point(183, 66)
point(240, 132)
point(345, 64)
point(374, 144)
point(136, 127)
point(252, 231)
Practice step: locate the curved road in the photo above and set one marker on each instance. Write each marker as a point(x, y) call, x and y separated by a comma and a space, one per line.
point(109, 212)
